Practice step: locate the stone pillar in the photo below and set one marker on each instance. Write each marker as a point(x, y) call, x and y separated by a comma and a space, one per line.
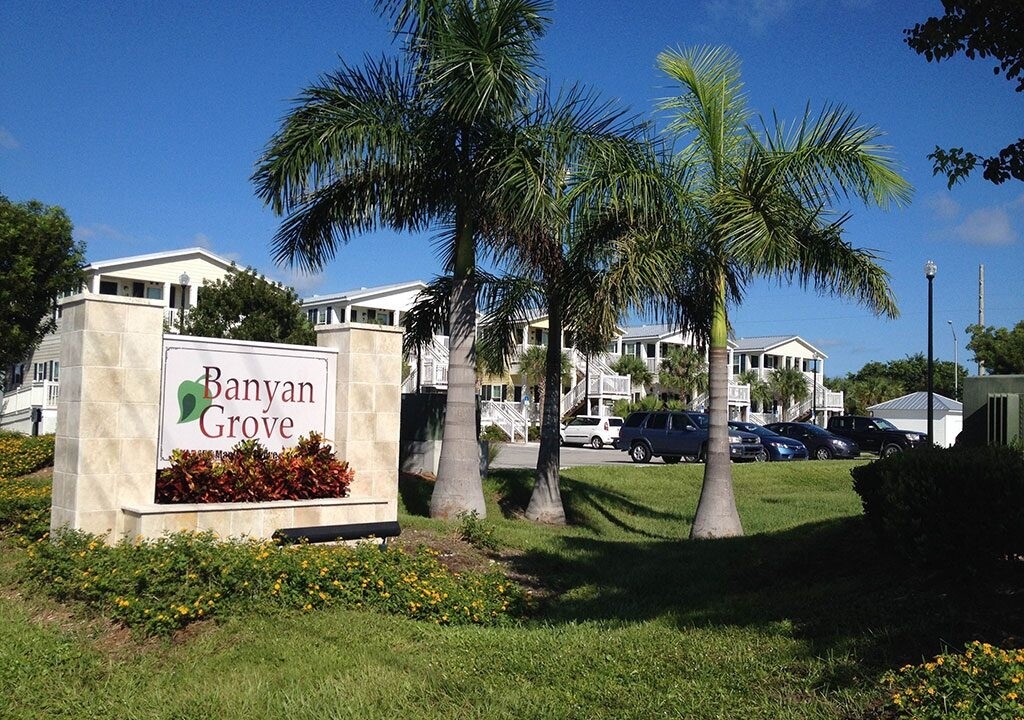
point(368, 408)
point(107, 415)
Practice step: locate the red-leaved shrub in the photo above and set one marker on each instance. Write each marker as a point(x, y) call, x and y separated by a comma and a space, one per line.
point(251, 473)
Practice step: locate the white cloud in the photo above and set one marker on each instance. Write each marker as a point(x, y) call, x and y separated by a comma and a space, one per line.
point(756, 15)
point(202, 240)
point(8, 141)
point(102, 230)
point(944, 206)
point(987, 226)
point(303, 283)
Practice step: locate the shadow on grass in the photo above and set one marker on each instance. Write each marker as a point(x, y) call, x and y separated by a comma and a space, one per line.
point(414, 492)
point(827, 583)
point(581, 501)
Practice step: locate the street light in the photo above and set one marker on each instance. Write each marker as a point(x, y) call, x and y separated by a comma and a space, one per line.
point(956, 368)
point(183, 281)
point(929, 272)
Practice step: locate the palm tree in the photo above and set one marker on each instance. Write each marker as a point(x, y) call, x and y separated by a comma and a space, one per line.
point(685, 371)
point(759, 391)
point(533, 366)
point(761, 203)
point(636, 369)
point(414, 144)
point(786, 386)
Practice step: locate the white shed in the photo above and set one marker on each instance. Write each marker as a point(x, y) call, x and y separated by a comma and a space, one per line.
point(910, 412)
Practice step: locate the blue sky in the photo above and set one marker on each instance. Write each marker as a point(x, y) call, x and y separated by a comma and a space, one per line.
point(144, 121)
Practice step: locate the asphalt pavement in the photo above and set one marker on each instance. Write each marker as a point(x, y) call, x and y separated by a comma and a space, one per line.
point(524, 455)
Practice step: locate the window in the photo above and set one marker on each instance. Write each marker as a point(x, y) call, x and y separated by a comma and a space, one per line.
point(680, 421)
point(108, 287)
point(155, 293)
point(657, 421)
point(138, 289)
point(755, 362)
point(55, 370)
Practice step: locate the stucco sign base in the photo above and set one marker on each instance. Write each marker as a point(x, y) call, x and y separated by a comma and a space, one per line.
point(255, 520)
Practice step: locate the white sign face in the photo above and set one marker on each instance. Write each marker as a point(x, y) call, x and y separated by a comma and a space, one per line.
point(216, 393)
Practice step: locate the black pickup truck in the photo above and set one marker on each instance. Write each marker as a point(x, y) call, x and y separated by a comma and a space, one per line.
point(875, 434)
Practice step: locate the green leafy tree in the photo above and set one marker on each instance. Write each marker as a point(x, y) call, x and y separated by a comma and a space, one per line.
point(685, 371)
point(906, 375)
point(39, 259)
point(533, 366)
point(861, 394)
point(636, 369)
point(415, 143)
point(760, 205)
point(788, 386)
point(999, 349)
point(978, 29)
point(244, 305)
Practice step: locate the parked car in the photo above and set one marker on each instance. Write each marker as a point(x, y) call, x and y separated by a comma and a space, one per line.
point(774, 446)
point(875, 434)
point(591, 430)
point(673, 435)
point(821, 444)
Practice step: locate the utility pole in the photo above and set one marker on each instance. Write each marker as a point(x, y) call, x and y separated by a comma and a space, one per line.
point(981, 306)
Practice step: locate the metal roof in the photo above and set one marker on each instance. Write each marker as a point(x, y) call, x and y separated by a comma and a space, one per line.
point(767, 342)
point(918, 401)
point(159, 257)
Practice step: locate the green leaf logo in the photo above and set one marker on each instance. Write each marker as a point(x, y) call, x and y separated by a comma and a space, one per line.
point(191, 402)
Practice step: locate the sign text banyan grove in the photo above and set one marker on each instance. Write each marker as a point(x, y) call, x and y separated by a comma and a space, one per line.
point(216, 393)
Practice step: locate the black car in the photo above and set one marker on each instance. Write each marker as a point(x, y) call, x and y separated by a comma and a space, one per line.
point(875, 434)
point(821, 444)
point(673, 435)
point(775, 447)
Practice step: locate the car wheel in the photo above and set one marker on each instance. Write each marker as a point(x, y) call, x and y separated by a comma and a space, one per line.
point(596, 443)
point(762, 456)
point(891, 449)
point(671, 459)
point(640, 453)
point(702, 454)
point(823, 453)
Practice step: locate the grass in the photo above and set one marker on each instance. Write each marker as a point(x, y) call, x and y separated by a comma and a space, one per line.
point(798, 619)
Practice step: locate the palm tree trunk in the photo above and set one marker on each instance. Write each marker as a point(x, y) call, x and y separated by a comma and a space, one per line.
point(458, 488)
point(546, 500)
point(716, 514)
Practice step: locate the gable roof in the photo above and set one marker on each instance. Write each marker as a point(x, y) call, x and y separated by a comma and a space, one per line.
point(764, 343)
point(918, 401)
point(351, 296)
point(156, 258)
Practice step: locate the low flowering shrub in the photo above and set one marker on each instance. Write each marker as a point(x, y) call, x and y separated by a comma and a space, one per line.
point(22, 454)
point(251, 473)
point(982, 682)
point(24, 508)
point(160, 585)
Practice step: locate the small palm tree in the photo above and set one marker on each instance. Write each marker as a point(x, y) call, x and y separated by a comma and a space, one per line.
point(760, 205)
point(786, 386)
point(759, 391)
point(533, 365)
point(685, 371)
point(636, 370)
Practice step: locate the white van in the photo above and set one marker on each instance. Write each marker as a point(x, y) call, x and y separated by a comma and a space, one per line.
point(592, 430)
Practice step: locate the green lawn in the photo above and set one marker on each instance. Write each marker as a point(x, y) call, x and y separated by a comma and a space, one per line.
point(796, 620)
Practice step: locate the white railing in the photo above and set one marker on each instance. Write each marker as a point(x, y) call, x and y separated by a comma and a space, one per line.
point(173, 317)
point(762, 418)
point(601, 385)
point(41, 393)
point(507, 416)
point(434, 364)
point(739, 394)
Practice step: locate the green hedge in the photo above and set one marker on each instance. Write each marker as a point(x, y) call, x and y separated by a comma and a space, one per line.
point(22, 454)
point(24, 507)
point(952, 507)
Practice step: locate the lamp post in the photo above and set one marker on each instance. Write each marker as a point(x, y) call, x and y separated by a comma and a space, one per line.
point(183, 280)
point(814, 394)
point(956, 368)
point(929, 272)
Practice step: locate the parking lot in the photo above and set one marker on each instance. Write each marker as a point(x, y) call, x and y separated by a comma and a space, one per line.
point(524, 455)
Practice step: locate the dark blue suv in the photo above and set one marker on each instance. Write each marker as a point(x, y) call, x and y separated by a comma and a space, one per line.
point(675, 434)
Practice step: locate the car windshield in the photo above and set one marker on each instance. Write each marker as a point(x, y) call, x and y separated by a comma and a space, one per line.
point(814, 429)
point(885, 424)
